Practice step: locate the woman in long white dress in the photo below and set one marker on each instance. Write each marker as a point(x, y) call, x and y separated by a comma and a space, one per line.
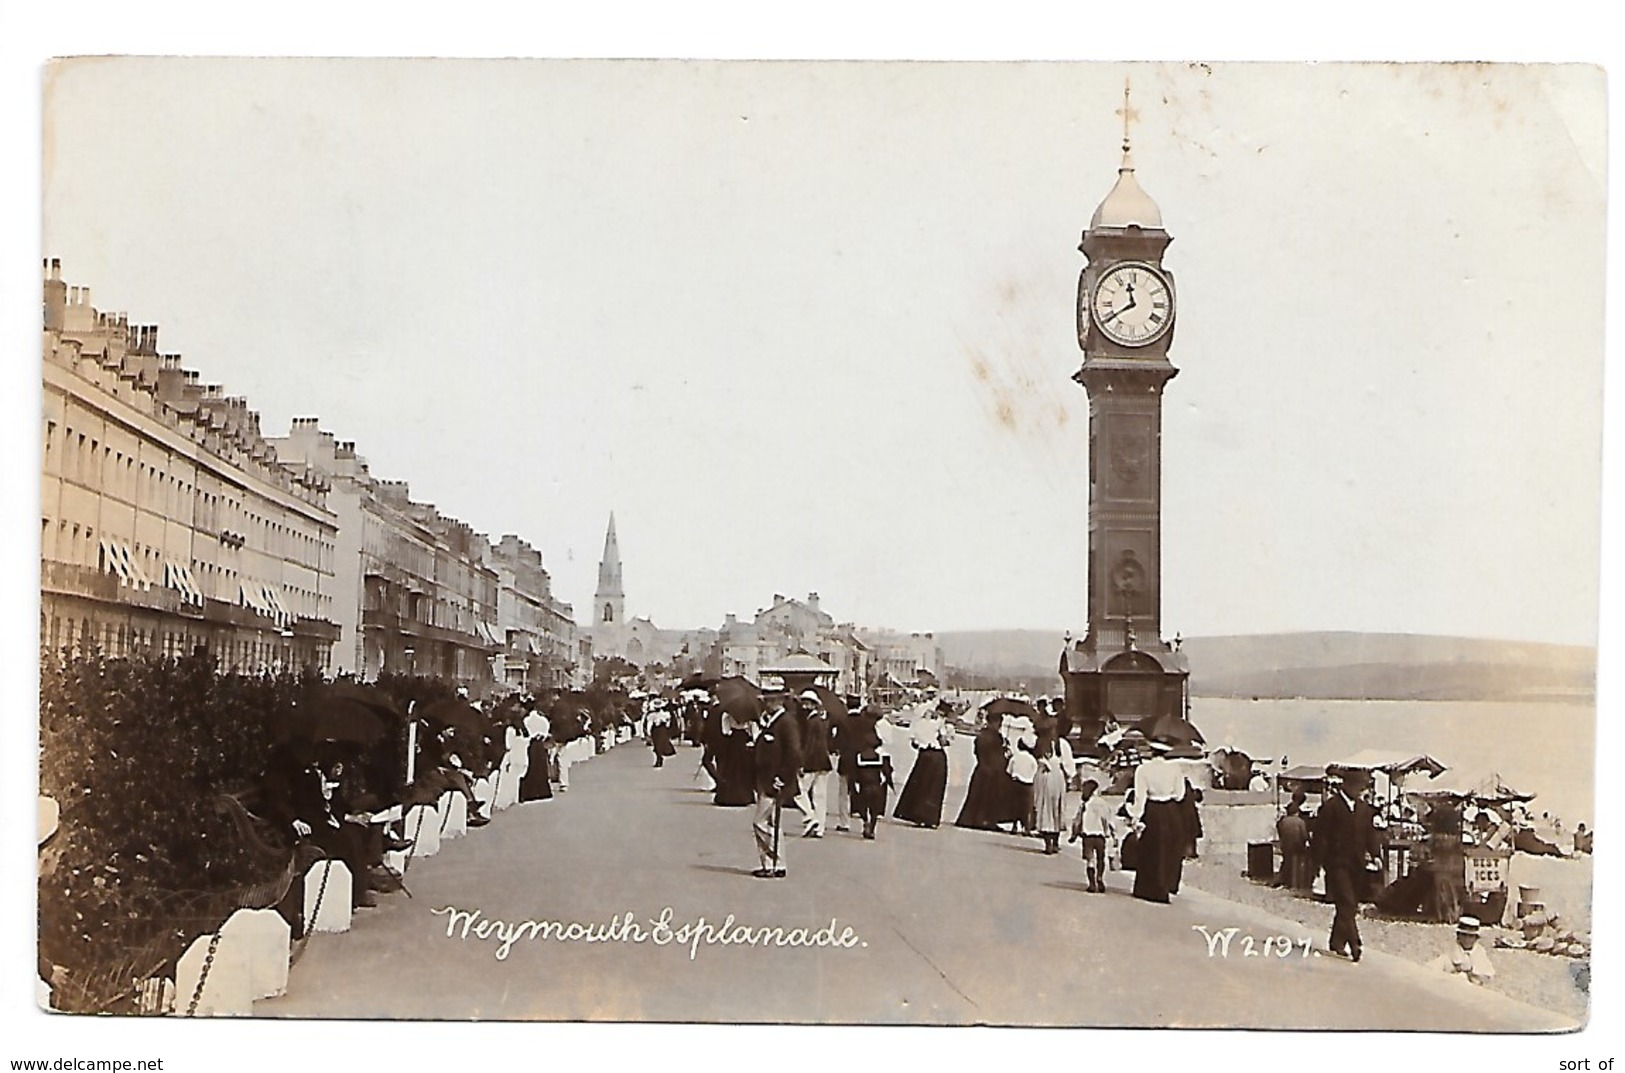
point(1049, 793)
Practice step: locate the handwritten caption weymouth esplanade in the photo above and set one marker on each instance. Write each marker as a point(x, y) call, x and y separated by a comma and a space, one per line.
point(626, 928)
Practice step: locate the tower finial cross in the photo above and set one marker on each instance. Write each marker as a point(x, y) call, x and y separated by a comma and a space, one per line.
point(1129, 114)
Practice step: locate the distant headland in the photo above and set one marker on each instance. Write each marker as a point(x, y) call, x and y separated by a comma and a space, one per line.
point(1321, 666)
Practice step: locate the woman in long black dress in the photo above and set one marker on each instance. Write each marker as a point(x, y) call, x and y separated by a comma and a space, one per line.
point(1157, 812)
point(987, 795)
point(921, 800)
point(735, 770)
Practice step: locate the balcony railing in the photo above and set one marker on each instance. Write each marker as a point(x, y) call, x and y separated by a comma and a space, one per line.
point(391, 622)
point(72, 579)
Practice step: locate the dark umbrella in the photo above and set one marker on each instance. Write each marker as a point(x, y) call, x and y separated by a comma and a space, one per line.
point(1006, 706)
point(1178, 732)
point(697, 680)
point(834, 706)
point(371, 696)
point(460, 715)
point(739, 699)
point(331, 718)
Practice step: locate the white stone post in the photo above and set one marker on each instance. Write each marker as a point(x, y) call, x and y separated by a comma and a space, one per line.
point(266, 940)
point(333, 914)
point(227, 990)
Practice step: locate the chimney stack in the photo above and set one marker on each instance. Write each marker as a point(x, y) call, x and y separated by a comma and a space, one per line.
point(56, 297)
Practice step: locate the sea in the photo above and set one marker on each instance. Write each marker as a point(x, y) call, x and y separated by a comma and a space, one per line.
point(1547, 748)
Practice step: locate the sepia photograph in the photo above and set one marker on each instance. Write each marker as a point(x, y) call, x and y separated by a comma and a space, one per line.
point(865, 543)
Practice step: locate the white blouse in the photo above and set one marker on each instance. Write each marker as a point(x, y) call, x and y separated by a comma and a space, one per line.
point(1156, 779)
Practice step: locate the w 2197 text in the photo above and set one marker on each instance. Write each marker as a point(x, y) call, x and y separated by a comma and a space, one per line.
point(1222, 942)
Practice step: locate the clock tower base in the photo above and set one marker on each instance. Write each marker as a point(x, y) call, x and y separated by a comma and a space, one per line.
point(1114, 675)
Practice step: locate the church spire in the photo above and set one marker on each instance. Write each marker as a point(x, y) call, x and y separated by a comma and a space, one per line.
point(609, 567)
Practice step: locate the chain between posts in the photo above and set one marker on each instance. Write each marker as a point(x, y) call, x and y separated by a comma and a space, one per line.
point(203, 977)
point(310, 925)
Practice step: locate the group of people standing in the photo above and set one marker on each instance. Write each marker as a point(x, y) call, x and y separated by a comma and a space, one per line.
point(835, 770)
point(1024, 767)
point(808, 753)
point(802, 749)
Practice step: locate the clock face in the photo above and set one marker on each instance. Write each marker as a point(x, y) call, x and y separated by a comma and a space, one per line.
point(1132, 304)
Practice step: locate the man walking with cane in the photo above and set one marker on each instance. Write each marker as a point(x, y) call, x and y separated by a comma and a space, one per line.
point(777, 764)
point(1340, 848)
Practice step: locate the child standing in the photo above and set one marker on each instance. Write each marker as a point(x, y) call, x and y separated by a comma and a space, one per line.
point(1093, 824)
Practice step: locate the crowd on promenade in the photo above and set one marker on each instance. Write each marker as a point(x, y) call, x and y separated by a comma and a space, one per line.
point(807, 763)
point(826, 762)
point(346, 783)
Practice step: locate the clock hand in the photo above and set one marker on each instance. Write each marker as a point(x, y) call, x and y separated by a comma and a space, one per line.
point(1120, 309)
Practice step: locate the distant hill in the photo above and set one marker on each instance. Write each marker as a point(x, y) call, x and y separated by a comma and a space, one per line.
point(1012, 652)
point(1323, 665)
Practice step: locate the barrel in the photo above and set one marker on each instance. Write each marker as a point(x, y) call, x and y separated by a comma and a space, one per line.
point(1261, 860)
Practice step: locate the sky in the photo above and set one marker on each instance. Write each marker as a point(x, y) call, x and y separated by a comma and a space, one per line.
point(1300, 442)
point(810, 327)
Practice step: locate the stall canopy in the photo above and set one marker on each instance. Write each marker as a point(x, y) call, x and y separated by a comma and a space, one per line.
point(1396, 765)
point(1478, 786)
point(1307, 777)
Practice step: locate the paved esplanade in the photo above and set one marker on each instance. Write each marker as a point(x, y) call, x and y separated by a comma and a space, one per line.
point(948, 926)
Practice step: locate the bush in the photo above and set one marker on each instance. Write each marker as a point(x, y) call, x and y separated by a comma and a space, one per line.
point(136, 751)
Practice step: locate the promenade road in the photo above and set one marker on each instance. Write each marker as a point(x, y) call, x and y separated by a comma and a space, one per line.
point(950, 927)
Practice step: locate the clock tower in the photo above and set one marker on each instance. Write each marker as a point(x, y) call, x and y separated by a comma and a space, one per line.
point(1126, 316)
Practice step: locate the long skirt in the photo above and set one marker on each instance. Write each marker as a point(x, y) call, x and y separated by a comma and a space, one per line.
point(1160, 853)
point(986, 799)
point(535, 785)
point(1019, 808)
point(735, 772)
point(921, 799)
point(1049, 799)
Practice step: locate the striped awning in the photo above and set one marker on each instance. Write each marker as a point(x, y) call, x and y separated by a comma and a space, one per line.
point(279, 610)
point(116, 557)
point(180, 578)
point(114, 562)
point(266, 599)
point(249, 595)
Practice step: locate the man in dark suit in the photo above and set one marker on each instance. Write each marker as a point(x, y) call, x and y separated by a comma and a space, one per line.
point(777, 765)
point(817, 769)
point(1340, 848)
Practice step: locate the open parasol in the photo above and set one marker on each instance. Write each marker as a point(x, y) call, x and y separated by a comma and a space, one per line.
point(333, 718)
point(740, 699)
point(834, 706)
point(460, 715)
point(1008, 706)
